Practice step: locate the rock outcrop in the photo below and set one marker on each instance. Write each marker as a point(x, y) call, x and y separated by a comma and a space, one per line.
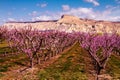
point(70, 20)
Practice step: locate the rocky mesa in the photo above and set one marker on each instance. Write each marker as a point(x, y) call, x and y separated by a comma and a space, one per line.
point(70, 23)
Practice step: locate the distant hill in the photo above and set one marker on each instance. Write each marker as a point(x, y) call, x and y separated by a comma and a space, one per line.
point(31, 21)
point(70, 23)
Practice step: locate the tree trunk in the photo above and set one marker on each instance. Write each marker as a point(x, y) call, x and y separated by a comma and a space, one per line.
point(31, 62)
point(39, 62)
point(98, 69)
point(38, 59)
point(45, 56)
point(49, 55)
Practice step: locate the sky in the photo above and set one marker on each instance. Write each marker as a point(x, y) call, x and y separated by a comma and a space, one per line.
point(34, 10)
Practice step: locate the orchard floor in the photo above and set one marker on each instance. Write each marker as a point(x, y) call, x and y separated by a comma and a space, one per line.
point(73, 63)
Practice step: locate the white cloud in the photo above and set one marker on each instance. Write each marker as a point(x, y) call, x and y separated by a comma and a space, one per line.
point(114, 13)
point(21, 19)
point(110, 14)
point(42, 17)
point(11, 19)
point(118, 1)
point(65, 7)
point(93, 1)
point(81, 12)
point(3, 20)
point(42, 5)
point(116, 18)
point(34, 13)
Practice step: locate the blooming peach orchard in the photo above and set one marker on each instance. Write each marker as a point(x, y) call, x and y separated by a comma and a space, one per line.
point(48, 43)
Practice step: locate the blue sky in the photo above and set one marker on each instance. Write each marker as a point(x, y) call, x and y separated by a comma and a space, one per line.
point(32, 10)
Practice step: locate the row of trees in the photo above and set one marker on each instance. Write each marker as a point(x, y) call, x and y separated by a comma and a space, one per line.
point(100, 47)
point(3, 31)
point(36, 44)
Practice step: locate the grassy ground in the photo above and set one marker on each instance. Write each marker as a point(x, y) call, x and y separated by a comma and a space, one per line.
point(10, 61)
point(113, 67)
point(72, 64)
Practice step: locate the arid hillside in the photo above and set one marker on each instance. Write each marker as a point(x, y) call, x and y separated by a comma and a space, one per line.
point(70, 23)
